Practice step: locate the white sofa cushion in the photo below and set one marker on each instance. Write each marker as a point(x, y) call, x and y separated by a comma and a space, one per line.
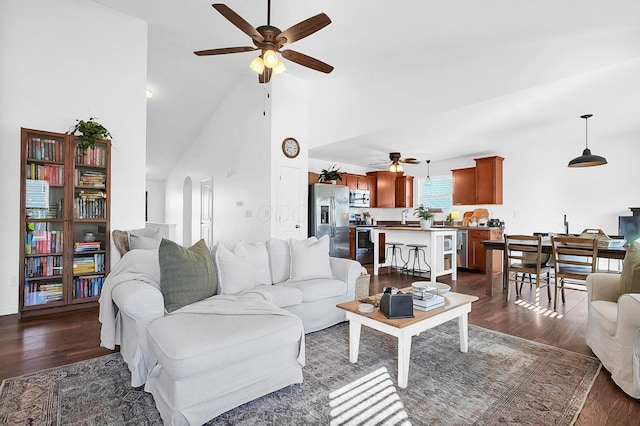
point(282, 296)
point(279, 260)
point(234, 269)
point(187, 345)
point(605, 314)
point(310, 259)
point(318, 289)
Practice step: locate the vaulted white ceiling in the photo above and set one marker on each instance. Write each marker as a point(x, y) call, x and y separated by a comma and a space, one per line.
point(431, 79)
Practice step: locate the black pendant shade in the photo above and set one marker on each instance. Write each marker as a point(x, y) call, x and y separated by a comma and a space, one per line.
point(587, 159)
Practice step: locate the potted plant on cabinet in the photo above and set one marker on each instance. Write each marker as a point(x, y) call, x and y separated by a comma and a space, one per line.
point(330, 175)
point(90, 131)
point(425, 214)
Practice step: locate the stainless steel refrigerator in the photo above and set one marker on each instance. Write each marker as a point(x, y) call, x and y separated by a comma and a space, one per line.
point(329, 215)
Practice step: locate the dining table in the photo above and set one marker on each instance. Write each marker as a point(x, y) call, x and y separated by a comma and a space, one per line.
point(493, 246)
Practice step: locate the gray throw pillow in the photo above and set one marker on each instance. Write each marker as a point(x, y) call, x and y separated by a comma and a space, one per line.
point(186, 274)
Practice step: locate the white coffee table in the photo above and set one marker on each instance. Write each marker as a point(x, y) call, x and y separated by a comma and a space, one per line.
point(456, 305)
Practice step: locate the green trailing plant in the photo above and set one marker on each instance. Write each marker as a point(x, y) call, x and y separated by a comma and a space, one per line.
point(425, 213)
point(332, 173)
point(89, 132)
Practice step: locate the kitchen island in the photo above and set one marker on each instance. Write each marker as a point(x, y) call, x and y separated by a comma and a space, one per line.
point(440, 250)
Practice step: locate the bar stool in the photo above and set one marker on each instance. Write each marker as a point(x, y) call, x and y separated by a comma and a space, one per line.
point(394, 247)
point(416, 249)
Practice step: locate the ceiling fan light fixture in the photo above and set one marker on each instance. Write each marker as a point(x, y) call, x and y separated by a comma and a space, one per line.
point(587, 159)
point(279, 68)
point(395, 167)
point(257, 65)
point(270, 58)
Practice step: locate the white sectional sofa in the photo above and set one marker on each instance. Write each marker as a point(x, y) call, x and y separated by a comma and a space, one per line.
point(247, 340)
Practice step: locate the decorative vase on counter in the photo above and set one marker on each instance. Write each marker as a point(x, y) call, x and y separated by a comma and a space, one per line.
point(425, 223)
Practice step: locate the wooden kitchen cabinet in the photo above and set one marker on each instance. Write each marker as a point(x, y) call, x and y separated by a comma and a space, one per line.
point(352, 243)
point(489, 180)
point(481, 184)
point(476, 254)
point(357, 181)
point(404, 191)
point(463, 186)
point(382, 189)
point(313, 178)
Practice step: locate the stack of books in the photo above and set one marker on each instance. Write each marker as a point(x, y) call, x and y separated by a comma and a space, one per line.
point(86, 246)
point(428, 303)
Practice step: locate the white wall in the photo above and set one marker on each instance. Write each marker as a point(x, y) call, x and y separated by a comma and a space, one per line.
point(289, 118)
point(62, 61)
point(234, 148)
point(155, 200)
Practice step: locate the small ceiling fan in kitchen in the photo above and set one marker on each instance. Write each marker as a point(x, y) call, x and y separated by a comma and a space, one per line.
point(397, 161)
point(269, 40)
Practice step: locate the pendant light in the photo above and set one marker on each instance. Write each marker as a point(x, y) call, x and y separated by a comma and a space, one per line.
point(428, 176)
point(587, 159)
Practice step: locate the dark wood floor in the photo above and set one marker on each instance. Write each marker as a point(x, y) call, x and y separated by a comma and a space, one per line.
point(37, 343)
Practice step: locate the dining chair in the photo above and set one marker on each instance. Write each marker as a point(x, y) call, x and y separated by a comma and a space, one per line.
point(524, 257)
point(574, 258)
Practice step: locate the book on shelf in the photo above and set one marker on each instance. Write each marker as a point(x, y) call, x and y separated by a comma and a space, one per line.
point(44, 266)
point(43, 242)
point(87, 264)
point(40, 293)
point(92, 156)
point(87, 286)
point(90, 205)
point(86, 246)
point(45, 149)
point(53, 174)
point(90, 178)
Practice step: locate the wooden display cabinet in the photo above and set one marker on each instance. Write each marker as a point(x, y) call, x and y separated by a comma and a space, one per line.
point(64, 218)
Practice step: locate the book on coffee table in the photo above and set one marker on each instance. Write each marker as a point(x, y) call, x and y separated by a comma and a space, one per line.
point(428, 304)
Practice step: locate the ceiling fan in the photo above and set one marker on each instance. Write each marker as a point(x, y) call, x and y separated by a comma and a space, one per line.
point(269, 40)
point(396, 160)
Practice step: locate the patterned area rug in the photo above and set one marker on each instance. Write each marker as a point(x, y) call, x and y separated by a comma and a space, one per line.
point(501, 380)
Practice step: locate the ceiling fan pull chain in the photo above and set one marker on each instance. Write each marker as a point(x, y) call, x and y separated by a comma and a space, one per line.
point(266, 98)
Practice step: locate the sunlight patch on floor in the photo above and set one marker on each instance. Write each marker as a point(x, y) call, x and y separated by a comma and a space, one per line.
point(370, 400)
point(539, 309)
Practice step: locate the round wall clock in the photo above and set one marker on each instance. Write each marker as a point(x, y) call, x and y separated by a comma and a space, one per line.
point(290, 147)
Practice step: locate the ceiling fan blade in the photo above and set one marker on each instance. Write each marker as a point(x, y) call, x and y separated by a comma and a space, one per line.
point(265, 76)
point(306, 61)
point(225, 50)
point(238, 21)
point(410, 161)
point(303, 29)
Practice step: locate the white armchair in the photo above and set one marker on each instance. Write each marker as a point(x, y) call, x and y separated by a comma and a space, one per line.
point(613, 330)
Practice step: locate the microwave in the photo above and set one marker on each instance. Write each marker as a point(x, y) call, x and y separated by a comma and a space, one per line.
point(358, 198)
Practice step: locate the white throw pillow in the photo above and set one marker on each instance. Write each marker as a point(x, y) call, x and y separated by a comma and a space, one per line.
point(235, 273)
point(259, 258)
point(279, 260)
point(310, 259)
point(142, 242)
